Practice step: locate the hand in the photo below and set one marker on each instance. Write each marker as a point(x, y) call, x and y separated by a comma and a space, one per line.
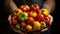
point(9, 19)
point(13, 5)
point(50, 5)
point(10, 5)
point(51, 19)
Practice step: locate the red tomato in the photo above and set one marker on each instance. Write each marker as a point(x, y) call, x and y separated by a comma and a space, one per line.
point(23, 24)
point(30, 20)
point(40, 17)
point(24, 8)
point(14, 20)
point(47, 20)
point(35, 8)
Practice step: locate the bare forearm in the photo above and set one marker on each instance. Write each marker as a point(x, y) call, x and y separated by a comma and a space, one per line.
point(12, 5)
point(50, 5)
point(9, 4)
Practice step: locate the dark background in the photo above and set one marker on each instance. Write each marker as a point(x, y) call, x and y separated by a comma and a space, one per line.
point(5, 27)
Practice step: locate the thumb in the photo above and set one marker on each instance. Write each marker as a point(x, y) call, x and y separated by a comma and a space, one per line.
point(51, 19)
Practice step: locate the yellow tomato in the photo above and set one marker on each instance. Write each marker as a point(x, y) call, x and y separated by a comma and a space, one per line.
point(44, 11)
point(29, 27)
point(33, 14)
point(17, 11)
point(36, 25)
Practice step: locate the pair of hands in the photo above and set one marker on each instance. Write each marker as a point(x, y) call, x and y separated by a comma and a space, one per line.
point(49, 4)
point(13, 6)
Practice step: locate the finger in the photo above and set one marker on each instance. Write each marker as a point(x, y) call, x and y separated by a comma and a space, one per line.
point(51, 19)
point(44, 30)
point(9, 18)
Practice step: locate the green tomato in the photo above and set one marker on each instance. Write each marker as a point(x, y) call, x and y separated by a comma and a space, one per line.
point(23, 16)
point(43, 24)
point(18, 26)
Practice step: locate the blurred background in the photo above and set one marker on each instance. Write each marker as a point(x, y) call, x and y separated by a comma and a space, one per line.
point(5, 27)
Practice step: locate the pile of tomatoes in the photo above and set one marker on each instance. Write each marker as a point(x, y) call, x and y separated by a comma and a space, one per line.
point(30, 17)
